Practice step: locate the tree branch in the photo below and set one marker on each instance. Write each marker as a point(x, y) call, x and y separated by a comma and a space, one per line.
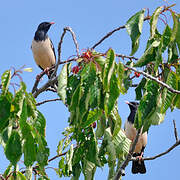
point(43, 88)
point(175, 131)
point(60, 46)
point(49, 100)
point(121, 170)
point(154, 79)
point(161, 154)
point(177, 143)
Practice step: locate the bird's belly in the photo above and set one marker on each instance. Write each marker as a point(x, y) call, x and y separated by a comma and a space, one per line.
point(131, 132)
point(43, 54)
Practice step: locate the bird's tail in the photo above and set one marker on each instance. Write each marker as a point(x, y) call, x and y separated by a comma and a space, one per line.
point(138, 166)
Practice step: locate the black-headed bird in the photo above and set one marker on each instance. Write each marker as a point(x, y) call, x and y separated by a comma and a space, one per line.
point(130, 131)
point(43, 49)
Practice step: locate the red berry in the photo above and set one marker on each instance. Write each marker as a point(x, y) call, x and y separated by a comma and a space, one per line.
point(87, 55)
point(137, 74)
point(93, 124)
point(75, 69)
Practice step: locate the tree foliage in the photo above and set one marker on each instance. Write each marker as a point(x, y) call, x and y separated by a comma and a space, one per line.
point(90, 91)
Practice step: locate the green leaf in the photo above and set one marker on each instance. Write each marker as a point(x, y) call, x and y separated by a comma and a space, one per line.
point(60, 146)
point(30, 150)
point(69, 156)
point(20, 176)
point(29, 172)
point(147, 105)
point(149, 55)
point(18, 99)
point(92, 149)
point(115, 116)
point(140, 88)
point(31, 105)
point(4, 136)
point(110, 146)
point(120, 73)
point(24, 126)
point(172, 53)
point(112, 96)
point(121, 143)
point(153, 21)
point(111, 152)
point(5, 81)
point(157, 117)
point(92, 117)
point(101, 125)
point(39, 123)
point(175, 26)
point(42, 151)
point(89, 169)
point(73, 83)
point(108, 69)
point(4, 112)
point(178, 36)
point(75, 99)
point(62, 83)
point(166, 37)
point(134, 29)
point(167, 97)
point(13, 149)
point(76, 171)
point(100, 60)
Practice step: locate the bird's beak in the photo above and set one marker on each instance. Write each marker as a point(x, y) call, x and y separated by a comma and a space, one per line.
point(52, 23)
point(127, 102)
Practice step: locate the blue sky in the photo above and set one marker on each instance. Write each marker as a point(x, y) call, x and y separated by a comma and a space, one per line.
point(90, 20)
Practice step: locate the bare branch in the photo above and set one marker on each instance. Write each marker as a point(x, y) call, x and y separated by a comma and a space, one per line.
point(124, 56)
point(175, 131)
point(60, 46)
point(107, 35)
point(161, 154)
point(49, 100)
point(121, 170)
point(35, 89)
point(154, 79)
point(43, 88)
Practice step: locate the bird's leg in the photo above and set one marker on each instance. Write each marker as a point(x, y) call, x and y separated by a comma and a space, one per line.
point(47, 71)
point(139, 158)
point(38, 77)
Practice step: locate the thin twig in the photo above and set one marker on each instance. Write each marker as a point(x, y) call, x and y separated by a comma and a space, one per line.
point(154, 79)
point(177, 143)
point(74, 39)
point(60, 46)
point(107, 35)
point(175, 131)
point(113, 31)
point(161, 154)
point(43, 88)
point(124, 56)
point(49, 100)
point(121, 170)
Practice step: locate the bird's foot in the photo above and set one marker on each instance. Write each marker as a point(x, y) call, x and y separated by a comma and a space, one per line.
point(38, 77)
point(47, 71)
point(139, 158)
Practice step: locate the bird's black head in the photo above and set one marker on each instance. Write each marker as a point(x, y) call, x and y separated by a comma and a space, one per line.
point(132, 105)
point(133, 108)
point(44, 26)
point(42, 30)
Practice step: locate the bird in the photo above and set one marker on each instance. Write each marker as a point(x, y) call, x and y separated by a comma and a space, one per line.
point(43, 48)
point(138, 166)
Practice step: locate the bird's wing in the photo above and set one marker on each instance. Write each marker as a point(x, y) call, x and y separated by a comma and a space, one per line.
point(52, 46)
